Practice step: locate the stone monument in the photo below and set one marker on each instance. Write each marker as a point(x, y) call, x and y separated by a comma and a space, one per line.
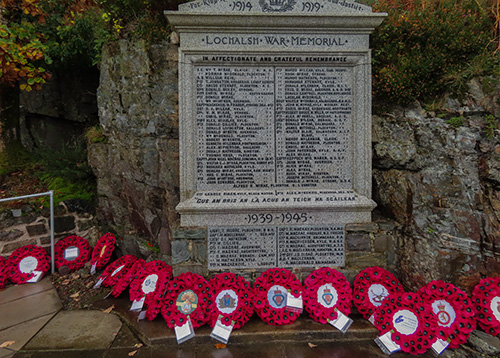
point(275, 127)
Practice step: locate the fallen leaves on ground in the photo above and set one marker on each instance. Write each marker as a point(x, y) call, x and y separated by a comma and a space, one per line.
point(138, 345)
point(311, 345)
point(75, 295)
point(220, 346)
point(108, 310)
point(132, 353)
point(6, 344)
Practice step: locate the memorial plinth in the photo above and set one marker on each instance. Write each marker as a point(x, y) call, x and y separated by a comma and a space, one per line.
point(275, 116)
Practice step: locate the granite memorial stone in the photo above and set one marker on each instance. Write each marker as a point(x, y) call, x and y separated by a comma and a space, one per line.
point(275, 127)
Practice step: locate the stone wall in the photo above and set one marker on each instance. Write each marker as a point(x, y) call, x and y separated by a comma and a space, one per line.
point(28, 226)
point(439, 179)
point(436, 184)
point(137, 166)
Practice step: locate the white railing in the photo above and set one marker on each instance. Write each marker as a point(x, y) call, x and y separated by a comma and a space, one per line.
point(51, 224)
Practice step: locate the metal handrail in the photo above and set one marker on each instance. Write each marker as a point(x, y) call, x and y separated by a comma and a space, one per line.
point(51, 224)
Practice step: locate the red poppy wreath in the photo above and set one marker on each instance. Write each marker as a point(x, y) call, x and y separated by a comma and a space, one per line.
point(127, 276)
point(25, 263)
point(103, 250)
point(116, 270)
point(150, 284)
point(270, 290)
point(371, 287)
point(3, 272)
point(72, 251)
point(186, 296)
point(325, 291)
point(486, 301)
point(453, 311)
point(232, 298)
point(410, 319)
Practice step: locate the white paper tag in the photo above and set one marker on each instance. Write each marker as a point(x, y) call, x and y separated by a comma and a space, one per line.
point(294, 304)
point(142, 315)
point(98, 284)
point(221, 332)
point(138, 304)
point(342, 323)
point(109, 294)
point(439, 346)
point(37, 275)
point(386, 344)
point(184, 332)
point(372, 319)
point(92, 268)
point(71, 253)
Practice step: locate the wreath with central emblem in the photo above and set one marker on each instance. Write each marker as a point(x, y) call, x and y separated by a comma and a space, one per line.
point(453, 311)
point(410, 320)
point(127, 277)
point(116, 270)
point(72, 251)
point(24, 263)
point(150, 283)
point(231, 299)
point(186, 296)
point(271, 289)
point(371, 287)
point(103, 250)
point(325, 291)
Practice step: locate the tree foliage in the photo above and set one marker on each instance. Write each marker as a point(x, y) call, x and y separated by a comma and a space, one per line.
point(428, 47)
point(22, 48)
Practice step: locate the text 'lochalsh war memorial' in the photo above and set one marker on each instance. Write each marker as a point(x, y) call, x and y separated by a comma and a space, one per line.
point(274, 128)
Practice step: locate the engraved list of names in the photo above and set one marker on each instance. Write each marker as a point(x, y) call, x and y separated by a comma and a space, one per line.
point(273, 127)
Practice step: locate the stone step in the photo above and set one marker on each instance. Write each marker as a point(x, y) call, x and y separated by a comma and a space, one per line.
point(156, 332)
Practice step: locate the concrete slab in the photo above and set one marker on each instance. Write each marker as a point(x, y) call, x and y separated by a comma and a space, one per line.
point(25, 309)
point(77, 330)
point(21, 334)
point(14, 292)
point(125, 339)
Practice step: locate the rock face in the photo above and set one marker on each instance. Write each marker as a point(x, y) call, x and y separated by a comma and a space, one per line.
point(137, 166)
point(440, 182)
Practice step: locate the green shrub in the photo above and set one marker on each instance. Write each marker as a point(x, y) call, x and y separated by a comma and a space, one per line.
point(427, 47)
point(455, 121)
point(490, 126)
point(67, 172)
